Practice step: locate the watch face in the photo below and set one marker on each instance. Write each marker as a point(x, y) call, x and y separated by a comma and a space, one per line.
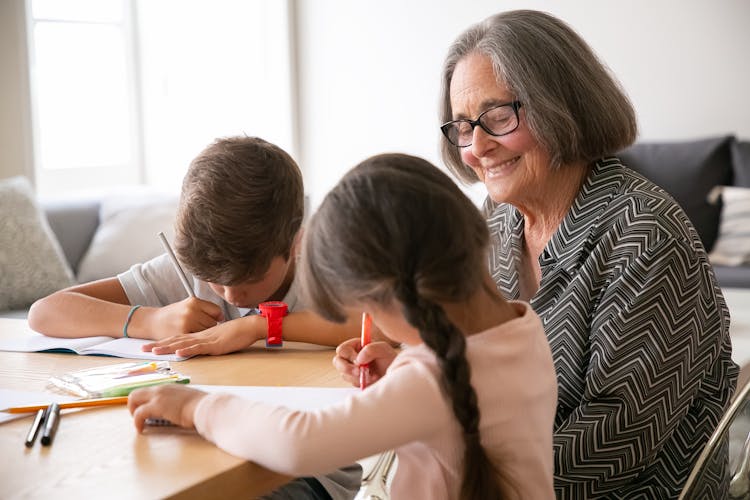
point(273, 304)
point(273, 307)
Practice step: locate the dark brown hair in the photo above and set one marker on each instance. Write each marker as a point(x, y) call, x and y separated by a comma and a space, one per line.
point(397, 228)
point(241, 205)
point(572, 105)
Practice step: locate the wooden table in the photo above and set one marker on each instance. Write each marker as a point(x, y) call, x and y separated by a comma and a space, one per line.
point(97, 451)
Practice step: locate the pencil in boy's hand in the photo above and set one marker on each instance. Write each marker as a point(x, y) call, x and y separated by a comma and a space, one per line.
point(364, 370)
point(81, 403)
point(176, 264)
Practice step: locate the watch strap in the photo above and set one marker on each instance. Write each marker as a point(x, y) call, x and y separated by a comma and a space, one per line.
point(274, 337)
point(274, 312)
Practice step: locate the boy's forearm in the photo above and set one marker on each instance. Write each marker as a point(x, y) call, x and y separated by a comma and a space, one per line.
point(305, 326)
point(73, 315)
point(87, 310)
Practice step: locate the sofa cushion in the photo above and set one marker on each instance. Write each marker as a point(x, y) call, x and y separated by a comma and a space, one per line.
point(688, 171)
point(732, 247)
point(129, 223)
point(741, 163)
point(32, 263)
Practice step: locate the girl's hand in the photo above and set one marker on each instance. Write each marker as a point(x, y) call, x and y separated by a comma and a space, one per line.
point(350, 355)
point(173, 402)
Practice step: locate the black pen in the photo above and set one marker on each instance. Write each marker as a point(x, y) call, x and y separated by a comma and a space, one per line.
point(159, 422)
point(35, 428)
point(50, 424)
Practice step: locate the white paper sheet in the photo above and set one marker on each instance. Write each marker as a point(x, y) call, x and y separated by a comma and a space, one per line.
point(10, 398)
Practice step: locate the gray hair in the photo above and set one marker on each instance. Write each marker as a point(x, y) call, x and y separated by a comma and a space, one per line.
point(573, 106)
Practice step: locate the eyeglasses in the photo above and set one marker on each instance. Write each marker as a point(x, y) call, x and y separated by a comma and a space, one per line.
point(497, 121)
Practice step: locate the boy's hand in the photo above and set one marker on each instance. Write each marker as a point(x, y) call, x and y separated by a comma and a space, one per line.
point(187, 316)
point(350, 355)
point(224, 338)
point(173, 402)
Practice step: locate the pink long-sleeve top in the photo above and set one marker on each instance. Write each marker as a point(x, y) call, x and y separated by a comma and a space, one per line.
point(514, 377)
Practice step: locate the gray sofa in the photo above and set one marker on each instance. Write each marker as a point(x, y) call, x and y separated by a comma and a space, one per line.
point(56, 243)
point(689, 171)
point(74, 223)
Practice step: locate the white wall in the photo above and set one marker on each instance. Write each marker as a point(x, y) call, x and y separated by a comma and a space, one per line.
point(369, 70)
point(15, 121)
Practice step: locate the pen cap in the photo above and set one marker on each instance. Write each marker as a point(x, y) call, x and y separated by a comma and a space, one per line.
point(50, 424)
point(35, 426)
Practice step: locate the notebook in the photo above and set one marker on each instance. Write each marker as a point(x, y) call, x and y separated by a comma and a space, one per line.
point(102, 346)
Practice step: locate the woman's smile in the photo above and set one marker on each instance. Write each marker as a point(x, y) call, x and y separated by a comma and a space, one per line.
point(500, 169)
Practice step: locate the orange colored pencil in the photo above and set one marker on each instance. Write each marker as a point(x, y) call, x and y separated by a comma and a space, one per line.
point(81, 403)
point(364, 370)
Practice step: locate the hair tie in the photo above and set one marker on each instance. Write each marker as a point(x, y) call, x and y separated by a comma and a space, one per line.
point(127, 321)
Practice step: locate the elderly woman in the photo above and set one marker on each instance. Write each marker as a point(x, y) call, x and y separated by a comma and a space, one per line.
point(636, 321)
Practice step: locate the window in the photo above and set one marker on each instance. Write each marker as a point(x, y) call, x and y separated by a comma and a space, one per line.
point(82, 94)
point(127, 92)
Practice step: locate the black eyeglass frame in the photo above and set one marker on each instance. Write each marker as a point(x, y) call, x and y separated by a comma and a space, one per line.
point(515, 105)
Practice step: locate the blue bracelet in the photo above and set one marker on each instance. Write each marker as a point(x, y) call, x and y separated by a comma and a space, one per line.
point(127, 321)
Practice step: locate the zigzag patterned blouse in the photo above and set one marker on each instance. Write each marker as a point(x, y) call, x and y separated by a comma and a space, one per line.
point(639, 332)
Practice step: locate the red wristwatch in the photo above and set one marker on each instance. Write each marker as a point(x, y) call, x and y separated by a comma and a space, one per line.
point(274, 313)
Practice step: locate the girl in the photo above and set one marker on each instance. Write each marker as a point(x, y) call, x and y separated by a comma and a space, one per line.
point(468, 405)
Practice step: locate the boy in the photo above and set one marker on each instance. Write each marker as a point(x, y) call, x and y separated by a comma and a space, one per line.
point(237, 235)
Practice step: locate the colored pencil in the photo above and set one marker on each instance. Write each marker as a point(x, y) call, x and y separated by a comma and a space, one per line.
point(364, 370)
point(81, 403)
point(176, 264)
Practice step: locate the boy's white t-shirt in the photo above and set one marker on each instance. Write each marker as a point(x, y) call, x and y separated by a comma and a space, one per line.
point(155, 283)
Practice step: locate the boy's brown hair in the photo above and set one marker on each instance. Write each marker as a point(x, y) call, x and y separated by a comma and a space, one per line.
point(241, 206)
